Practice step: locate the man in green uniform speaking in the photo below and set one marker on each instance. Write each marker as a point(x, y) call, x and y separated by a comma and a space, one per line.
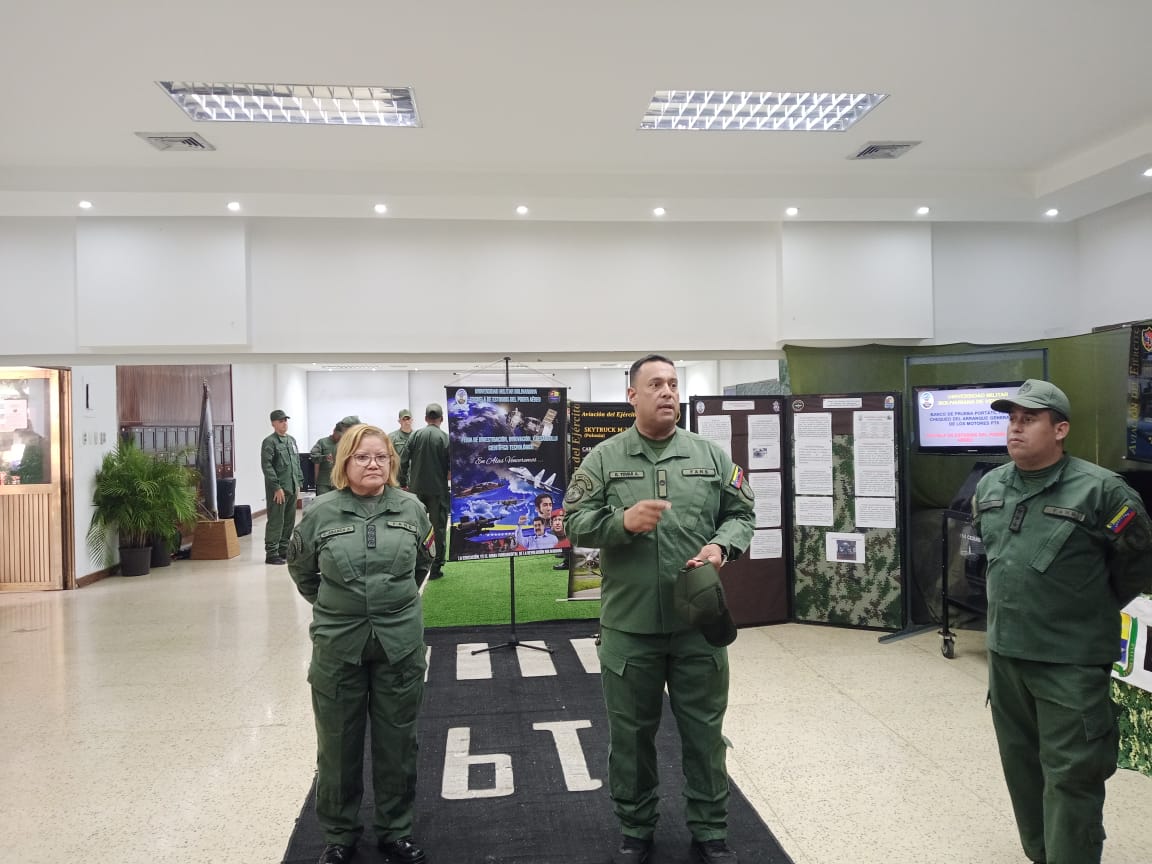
point(424, 471)
point(656, 499)
point(280, 462)
point(1069, 544)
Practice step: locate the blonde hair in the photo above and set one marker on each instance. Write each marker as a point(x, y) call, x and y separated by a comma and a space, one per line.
point(350, 443)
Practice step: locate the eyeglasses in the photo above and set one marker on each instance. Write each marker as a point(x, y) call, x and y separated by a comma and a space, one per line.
point(366, 459)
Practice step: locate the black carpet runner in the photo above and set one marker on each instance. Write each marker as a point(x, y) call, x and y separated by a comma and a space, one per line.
point(526, 783)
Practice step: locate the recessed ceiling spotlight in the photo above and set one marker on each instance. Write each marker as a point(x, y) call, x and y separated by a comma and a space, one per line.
point(658, 211)
point(1052, 211)
point(522, 210)
point(381, 209)
point(1148, 173)
point(923, 211)
point(792, 211)
point(234, 206)
point(85, 205)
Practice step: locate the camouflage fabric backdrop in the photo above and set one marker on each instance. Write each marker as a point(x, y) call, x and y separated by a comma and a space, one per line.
point(858, 595)
point(1135, 727)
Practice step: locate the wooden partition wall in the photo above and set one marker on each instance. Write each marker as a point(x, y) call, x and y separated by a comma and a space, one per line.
point(159, 407)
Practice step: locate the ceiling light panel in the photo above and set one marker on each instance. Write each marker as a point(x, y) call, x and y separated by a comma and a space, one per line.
point(295, 103)
point(757, 111)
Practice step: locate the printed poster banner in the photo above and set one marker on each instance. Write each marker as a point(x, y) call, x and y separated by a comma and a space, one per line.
point(506, 453)
point(591, 423)
point(1135, 664)
point(1139, 425)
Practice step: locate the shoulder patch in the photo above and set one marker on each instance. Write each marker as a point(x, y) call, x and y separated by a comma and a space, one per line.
point(332, 532)
point(1122, 519)
point(581, 486)
point(625, 475)
point(699, 472)
point(736, 478)
point(1065, 513)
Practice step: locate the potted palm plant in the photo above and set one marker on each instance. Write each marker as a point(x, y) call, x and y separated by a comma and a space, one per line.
point(175, 500)
point(137, 497)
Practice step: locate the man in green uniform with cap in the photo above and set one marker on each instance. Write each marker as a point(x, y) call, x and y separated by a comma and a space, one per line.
point(1069, 544)
point(657, 499)
point(424, 471)
point(323, 455)
point(280, 462)
point(399, 437)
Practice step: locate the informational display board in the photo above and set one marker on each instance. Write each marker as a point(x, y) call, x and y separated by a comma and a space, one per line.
point(751, 431)
point(846, 515)
point(1139, 421)
point(589, 424)
point(507, 456)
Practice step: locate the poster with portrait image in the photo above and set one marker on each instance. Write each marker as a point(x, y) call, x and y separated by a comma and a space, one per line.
point(506, 456)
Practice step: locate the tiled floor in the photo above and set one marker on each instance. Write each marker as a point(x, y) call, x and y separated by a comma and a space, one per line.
point(166, 719)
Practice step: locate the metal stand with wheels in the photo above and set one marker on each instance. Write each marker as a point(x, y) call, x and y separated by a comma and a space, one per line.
point(974, 565)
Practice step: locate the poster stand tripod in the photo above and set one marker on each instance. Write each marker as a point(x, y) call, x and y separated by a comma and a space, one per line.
point(513, 641)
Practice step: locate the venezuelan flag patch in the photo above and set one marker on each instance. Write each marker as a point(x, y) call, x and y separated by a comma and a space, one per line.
point(1120, 521)
point(737, 478)
point(430, 539)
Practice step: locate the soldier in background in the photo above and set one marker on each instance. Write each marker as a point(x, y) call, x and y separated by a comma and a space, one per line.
point(424, 471)
point(323, 455)
point(280, 463)
point(399, 437)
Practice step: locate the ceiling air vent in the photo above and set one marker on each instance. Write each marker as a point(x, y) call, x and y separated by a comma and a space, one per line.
point(175, 141)
point(884, 149)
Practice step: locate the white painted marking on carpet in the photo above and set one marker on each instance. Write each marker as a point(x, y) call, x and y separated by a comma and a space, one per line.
point(473, 667)
point(534, 664)
point(585, 649)
point(427, 661)
point(572, 761)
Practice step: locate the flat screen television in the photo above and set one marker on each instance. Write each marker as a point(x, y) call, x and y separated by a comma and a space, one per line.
point(958, 418)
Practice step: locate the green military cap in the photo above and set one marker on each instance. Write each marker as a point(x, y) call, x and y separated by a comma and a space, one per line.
point(433, 410)
point(699, 597)
point(278, 415)
point(405, 414)
point(1035, 393)
point(349, 421)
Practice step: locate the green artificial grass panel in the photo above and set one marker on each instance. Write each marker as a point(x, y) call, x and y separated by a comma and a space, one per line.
point(476, 592)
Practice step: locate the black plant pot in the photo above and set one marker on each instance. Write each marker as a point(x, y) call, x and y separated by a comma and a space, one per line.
point(134, 561)
point(160, 555)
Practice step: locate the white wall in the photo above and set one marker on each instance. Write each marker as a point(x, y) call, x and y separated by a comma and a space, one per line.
point(1004, 283)
point(608, 385)
point(94, 431)
point(38, 278)
point(253, 398)
point(855, 281)
point(168, 282)
point(374, 397)
point(463, 286)
point(1115, 256)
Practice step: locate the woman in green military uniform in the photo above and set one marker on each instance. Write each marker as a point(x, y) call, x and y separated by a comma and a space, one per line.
point(358, 557)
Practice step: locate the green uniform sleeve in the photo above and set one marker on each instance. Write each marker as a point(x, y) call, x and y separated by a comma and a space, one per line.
point(737, 520)
point(303, 565)
point(318, 451)
point(589, 520)
point(267, 457)
point(426, 550)
point(1130, 557)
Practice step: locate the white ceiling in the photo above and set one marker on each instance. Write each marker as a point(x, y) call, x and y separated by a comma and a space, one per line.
point(1021, 105)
